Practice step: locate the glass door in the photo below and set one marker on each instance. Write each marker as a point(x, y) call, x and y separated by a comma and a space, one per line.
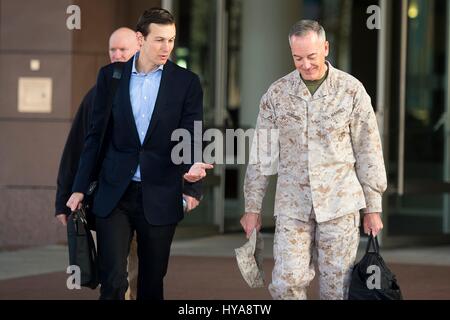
point(196, 49)
point(418, 123)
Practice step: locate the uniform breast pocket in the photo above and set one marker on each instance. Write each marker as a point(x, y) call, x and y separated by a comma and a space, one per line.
point(290, 119)
point(336, 126)
point(292, 129)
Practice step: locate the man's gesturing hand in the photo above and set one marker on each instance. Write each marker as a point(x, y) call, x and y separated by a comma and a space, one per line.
point(197, 171)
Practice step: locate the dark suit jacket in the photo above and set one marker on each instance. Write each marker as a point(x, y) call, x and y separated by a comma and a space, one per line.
point(68, 164)
point(178, 105)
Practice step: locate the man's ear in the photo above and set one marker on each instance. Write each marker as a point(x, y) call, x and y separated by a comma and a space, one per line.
point(327, 48)
point(140, 38)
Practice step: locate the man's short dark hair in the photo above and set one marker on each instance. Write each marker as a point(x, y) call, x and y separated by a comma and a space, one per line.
point(153, 15)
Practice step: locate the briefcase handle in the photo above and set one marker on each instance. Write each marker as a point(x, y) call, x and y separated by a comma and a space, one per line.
point(373, 242)
point(79, 214)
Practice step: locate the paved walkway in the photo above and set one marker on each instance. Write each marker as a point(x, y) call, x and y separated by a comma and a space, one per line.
point(205, 268)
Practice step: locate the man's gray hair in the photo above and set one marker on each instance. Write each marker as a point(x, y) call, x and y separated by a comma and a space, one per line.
point(303, 27)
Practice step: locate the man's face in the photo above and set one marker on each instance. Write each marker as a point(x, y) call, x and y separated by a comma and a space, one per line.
point(309, 53)
point(158, 44)
point(122, 46)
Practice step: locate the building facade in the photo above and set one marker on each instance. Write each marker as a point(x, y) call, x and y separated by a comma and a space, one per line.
point(398, 49)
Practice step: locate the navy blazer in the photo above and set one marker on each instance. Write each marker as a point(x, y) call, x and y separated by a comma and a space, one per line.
point(179, 103)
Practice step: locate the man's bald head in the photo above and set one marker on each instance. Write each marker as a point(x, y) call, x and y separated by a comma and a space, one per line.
point(123, 44)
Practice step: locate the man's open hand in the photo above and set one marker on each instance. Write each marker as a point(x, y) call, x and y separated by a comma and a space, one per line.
point(197, 171)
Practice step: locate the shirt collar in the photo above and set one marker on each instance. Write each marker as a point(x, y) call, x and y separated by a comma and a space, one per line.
point(134, 70)
point(299, 88)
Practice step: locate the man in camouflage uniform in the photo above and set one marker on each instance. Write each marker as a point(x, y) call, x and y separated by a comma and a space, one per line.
point(330, 166)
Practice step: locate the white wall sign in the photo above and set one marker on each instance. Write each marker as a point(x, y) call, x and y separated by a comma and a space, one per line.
point(35, 95)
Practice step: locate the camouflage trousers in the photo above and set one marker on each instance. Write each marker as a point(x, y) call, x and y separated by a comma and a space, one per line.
point(298, 245)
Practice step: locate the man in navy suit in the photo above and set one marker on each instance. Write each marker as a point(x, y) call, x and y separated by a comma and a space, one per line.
point(140, 187)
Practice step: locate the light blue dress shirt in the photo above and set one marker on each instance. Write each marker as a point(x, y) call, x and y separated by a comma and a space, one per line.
point(143, 92)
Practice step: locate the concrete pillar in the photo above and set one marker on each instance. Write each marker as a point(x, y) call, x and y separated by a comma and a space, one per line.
point(265, 57)
point(265, 53)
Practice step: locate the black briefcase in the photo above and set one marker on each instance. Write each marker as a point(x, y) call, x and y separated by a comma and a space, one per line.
point(82, 251)
point(372, 279)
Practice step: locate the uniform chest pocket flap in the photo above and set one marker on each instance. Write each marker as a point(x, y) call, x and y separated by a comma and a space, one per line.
point(336, 121)
point(290, 119)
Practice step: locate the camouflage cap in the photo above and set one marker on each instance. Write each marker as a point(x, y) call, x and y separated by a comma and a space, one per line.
point(250, 260)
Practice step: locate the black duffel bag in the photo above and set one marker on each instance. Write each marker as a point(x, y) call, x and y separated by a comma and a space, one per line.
point(82, 251)
point(372, 279)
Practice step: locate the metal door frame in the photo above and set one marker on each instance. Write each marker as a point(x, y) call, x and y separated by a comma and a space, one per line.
point(385, 54)
point(216, 178)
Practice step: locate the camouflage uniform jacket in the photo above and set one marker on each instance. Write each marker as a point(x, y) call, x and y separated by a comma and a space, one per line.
point(330, 153)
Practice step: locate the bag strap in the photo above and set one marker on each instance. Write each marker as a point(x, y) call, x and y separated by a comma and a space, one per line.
point(373, 242)
point(116, 76)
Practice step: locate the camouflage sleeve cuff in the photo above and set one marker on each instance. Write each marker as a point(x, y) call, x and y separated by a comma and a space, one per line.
point(255, 186)
point(373, 201)
point(252, 206)
point(372, 210)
